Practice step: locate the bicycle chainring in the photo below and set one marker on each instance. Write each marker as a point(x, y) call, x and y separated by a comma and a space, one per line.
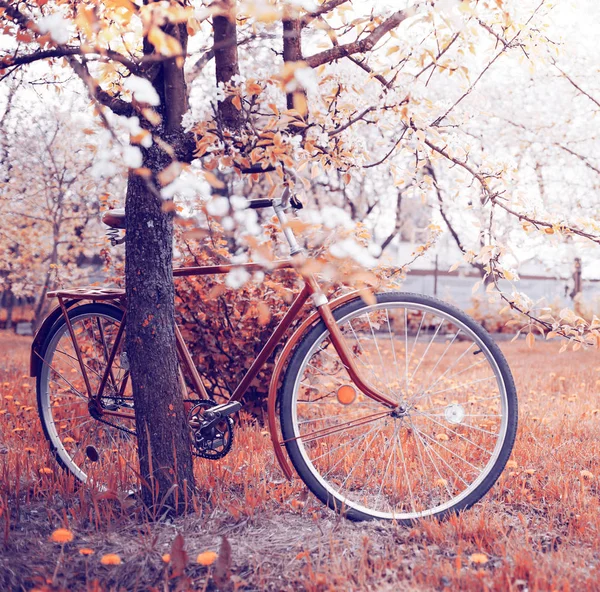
point(213, 442)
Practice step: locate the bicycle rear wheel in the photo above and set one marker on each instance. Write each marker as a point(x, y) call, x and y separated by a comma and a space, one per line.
point(445, 444)
point(96, 449)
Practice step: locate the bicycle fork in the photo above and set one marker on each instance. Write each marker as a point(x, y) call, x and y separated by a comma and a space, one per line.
point(322, 304)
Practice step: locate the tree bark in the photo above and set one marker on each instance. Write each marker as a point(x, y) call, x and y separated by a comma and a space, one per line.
point(9, 304)
point(161, 424)
point(227, 60)
point(292, 52)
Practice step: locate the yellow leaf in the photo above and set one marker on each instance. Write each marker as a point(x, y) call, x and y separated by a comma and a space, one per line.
point(164, 44)
point(213, 180)
point(530, 339)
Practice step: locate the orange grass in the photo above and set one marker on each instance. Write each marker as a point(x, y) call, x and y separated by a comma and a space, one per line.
point(538, 529)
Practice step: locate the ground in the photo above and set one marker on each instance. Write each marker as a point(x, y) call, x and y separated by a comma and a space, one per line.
point(538, 528)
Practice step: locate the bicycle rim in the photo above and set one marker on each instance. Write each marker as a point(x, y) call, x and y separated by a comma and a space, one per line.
point(439, 453)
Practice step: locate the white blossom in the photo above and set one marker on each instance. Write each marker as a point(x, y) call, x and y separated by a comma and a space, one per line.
point(307, 79)
point(237, 277)
point(248, 219)
point(350, 248)
point(308, 5)
point(218, 206)
point(228, 223)
point(56, 25)
point(132, 157)
point(142, 89)
point(334, 217)
point(238, 202)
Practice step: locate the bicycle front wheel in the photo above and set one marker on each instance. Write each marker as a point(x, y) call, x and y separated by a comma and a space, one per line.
point(445, 444)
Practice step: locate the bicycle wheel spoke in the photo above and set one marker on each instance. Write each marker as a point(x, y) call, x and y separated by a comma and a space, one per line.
point(412, 501)
point(450, 451)
point(357, 462)
point(455, 387)
point(383, 365)
point(357, 441)
point(456, 433)
point(414, 345)
point(75, 391)
point(428, 450)
point(426, 350)
point(336, 416)
point(368, 367)
point(453, 365)
point(346, 443)
point(387, 466)
point(334, 430)
point(426, 381)
point(387, 318)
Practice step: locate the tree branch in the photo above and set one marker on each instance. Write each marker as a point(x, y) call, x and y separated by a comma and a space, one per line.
point(61, 52)
point(363, 45)
point(323, 9)
point(116, 105)
point(573, 83)
point(580, 157)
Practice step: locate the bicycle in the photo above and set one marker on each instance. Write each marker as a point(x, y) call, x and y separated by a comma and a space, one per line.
point(398, 410)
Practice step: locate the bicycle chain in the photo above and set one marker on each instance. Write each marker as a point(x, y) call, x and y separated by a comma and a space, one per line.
point(132, 433)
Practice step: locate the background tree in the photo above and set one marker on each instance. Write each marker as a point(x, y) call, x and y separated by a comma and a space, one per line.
point(49, 201)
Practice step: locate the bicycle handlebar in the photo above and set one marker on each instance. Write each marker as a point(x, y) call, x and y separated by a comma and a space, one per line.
point(257, 204)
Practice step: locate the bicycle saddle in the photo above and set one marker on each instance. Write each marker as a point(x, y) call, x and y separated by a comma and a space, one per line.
point(114, 218)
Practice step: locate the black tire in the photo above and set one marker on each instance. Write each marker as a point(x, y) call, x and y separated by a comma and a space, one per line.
point(316, 334)
point(95, 309)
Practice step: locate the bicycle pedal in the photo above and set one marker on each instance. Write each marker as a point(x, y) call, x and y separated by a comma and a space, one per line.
point(225, 409)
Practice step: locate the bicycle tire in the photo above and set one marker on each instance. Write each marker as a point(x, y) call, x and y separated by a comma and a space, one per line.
point(317, 484)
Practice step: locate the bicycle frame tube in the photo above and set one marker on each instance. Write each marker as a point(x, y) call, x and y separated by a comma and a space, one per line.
point(272, 342)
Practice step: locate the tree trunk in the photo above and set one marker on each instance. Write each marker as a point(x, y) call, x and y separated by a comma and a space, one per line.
point(226, 60)
point(292, 52)
point(9, 303)
point(164, 445)
point(161, 423)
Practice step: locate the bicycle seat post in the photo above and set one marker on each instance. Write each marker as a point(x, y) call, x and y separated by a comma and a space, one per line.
point(280, 205)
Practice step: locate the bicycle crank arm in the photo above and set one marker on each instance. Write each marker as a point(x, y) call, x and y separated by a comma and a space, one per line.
point(223, 410)
point(211, 417)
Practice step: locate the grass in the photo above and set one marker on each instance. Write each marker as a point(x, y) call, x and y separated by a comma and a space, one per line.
point(538, 528)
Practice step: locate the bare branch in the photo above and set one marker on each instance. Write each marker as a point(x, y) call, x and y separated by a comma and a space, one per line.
point(580, 157)
point(116, 105)
point(506, 45)
point(362, 45)
point(364, 66)
point(573, 83)
point(494, 198)
point(61, 52)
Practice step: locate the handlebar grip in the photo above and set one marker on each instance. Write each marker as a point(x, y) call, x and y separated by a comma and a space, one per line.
point(256, 204)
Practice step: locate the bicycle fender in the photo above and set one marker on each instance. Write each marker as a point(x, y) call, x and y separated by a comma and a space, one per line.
point(42, 333)
point(280, 365)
